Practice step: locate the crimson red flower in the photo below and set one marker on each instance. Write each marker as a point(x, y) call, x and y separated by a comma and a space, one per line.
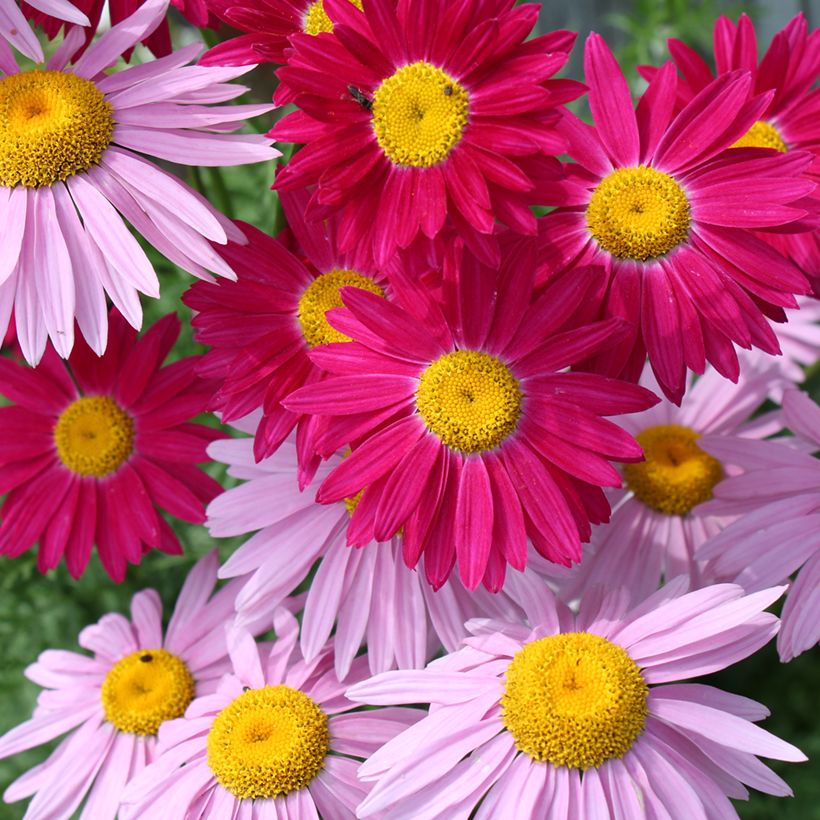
point(464, 430)
point(262, 327)
point(672, 216)
point(789, 68)
point(93, 446)
point(416, 111)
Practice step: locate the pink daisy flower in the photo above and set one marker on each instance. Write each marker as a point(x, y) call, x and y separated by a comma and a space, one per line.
point(413, 112)
point(369, 594)
point(262, 327)
point(672, 217)
point(110, 705)
point(278, 739)
point(778, 533)
point(108, 441)
point(15, 29)
point(655, 529)
point(464, 430)
point(583, 714)
point(70, 170)
point(789, 68)
point(158, 41)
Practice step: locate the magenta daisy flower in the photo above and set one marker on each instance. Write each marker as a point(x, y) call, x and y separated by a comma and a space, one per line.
point(583, 714)
point(15, 29)
point(71, 140)
point(278, 739)
point(111, 704)
point(672, 216)
point(655, 529)
point(464, 430)
point(778, 534)
point(369, 594)
point(108, 441)
point(262, 327)
point(267, 26)
point(413, 112)
point(789, 68)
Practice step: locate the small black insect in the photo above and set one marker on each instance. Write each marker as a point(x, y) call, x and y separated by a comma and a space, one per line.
point(364, 101)
point(146, 658)
point(448, 90)
point(246, 688)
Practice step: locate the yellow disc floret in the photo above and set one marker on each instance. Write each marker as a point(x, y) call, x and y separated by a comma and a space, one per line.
point(470, 400)
point(321, 296)
point(53, 125)
point(94, 436)
point(762, 135)
point(316, 20)
point(146, 688)
point(268, 742)
point(574, 700)
point(677, 475)
point(419, 115)
point(638, 213)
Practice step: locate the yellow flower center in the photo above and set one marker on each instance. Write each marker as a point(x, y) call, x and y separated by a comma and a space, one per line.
point(419, 115)
point(574, 700)
point(268, 742)
point(762, 135)
point(316, 20)
point(677, 475)
point(638, 213)
point(352, 502)
point(146, 688)
point(321, 296)
point(94, 436)
point(470, 400)
point(53, 125)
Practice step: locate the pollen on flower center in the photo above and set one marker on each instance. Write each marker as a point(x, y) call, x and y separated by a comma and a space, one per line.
point(676, 475)
point(574, 700)
point(638, 213)
point(470, 400)
point(53, 124)
point(94, 436)
point(316, 20)
point(321, 296)
point(762, 135)
point(268, 742)
point(419, 115)
point(146, 688)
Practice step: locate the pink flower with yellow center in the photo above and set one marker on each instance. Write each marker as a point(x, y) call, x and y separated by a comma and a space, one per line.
point(107, 441)
point(464, 430)
point(583, 716)
point(413, 113)
point(672, 216)
point(111, 704)
point(73, 141)
point(278, 739)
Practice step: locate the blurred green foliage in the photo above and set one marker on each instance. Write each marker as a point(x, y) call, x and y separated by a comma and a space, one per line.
point(646, 25)
point(39, 612)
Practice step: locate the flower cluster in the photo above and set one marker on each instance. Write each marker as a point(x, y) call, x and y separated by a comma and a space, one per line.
point(509, 408)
